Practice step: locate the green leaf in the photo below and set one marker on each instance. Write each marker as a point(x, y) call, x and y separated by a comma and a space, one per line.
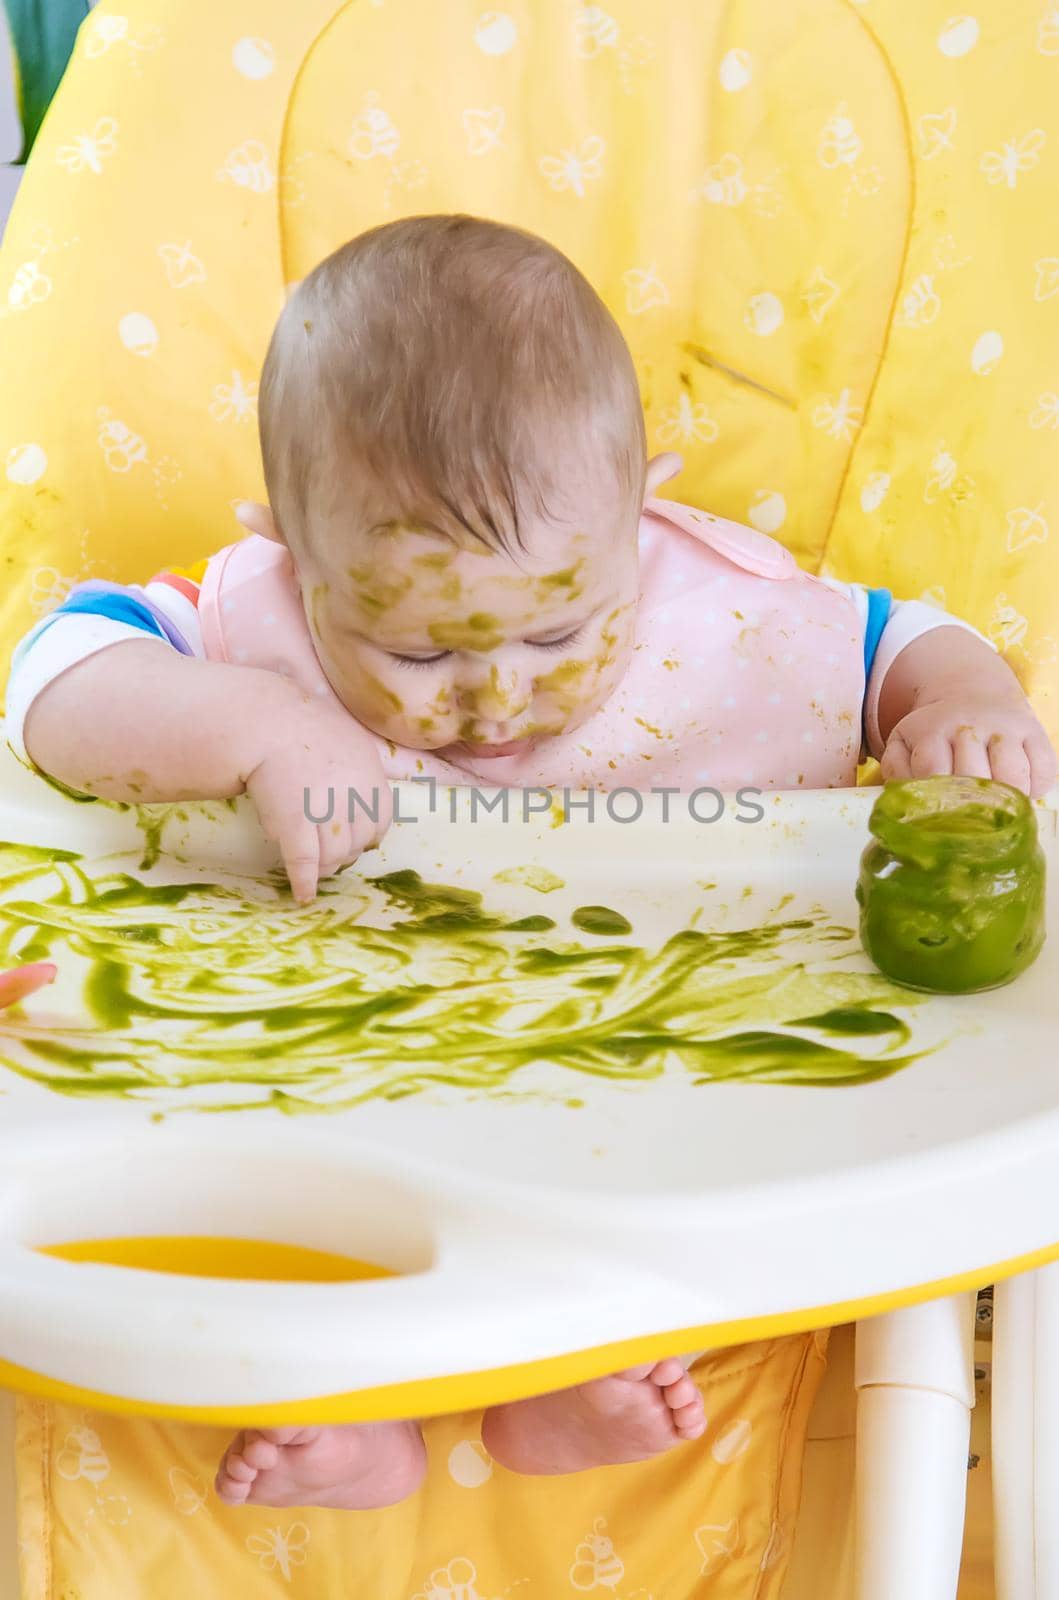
point(42, 37)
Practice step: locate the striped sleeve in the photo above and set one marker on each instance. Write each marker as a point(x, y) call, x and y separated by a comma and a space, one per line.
point(93, 616)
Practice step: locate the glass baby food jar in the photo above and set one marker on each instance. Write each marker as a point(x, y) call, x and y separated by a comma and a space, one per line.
point(951, 887)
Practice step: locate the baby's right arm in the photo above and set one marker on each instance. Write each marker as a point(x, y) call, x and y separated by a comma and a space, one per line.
point(139, 722)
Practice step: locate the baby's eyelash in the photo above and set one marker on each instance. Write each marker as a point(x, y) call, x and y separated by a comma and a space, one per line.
point(563, 643)
point(421, 661)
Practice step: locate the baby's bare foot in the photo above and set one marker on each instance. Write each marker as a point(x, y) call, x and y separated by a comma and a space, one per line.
point(352, 1468)
point(635, 1414)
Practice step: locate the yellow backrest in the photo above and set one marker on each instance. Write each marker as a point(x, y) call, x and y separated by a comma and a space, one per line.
point(823, 227)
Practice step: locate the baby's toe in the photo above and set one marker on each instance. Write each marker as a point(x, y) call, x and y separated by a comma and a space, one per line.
point(666, 1372)
point(239, 1469)
point(682, 1393)
point(233, 1491)
point(690, 1421)
point(260, 1454)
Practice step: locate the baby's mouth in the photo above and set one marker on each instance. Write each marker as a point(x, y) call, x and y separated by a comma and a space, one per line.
point(487, 752)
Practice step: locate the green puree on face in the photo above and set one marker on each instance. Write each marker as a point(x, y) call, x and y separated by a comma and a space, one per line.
point(951, 888)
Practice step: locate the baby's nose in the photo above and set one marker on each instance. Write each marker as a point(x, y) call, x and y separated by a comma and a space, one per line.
point(500, 696)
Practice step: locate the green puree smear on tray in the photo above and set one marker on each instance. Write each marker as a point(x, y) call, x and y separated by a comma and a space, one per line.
point(224, 996)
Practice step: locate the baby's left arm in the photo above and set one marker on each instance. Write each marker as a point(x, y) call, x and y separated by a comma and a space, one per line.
point(949, 703)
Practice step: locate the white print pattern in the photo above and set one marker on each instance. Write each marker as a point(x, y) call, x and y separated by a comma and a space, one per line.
point(237, 399)
point(838, 417)
point(1007, 627)
point(718, 1542)
point(571, 169)
point(189, 1491)
point(643, 289)
point(113, 1509)
point(82, 1456)
point(935, 131)
point(839, 143)
point(373, 132)
point(596, 1566)
point(247, 167)
point(685, 423)
point(495, 33)
point(594, 32)
point(934, 596)
point(254, 58)
point(1026, 525)
point(182, 266)
point(279, 1550)
point(457, 1581)
point(406, 175)
point(138, 334)
point(469, 1466)
point(764, 314)
point(767, 511)
point(1017, 155)
point(106, 32)
point(26, 463)
point(122, 449)
point(633, 60)
point(958, 36)
point(48, 588)
point(724, 184)
point(920, 306)
point(820, 294)
point(1048, 32)
point(1047, 270)
point(89, 150)
point(945, 478)
point(736, 70)
point(29, 287)
point(483, 130)
point(733, 1442)
point(988, 349)
point(1047, 413)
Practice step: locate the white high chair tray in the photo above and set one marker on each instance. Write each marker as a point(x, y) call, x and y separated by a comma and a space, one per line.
point(535, 1143)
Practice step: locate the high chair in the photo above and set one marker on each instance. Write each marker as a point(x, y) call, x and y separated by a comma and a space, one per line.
point(820, 229)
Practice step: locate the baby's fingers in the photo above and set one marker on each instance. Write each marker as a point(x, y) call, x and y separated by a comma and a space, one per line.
point(931, 756)
point(970, 758)
point(21, 981)
point(300, 848)
point(337, 847)
point(297, 836)
point(1042, 762)
point(1009, 762)
point(896, 760)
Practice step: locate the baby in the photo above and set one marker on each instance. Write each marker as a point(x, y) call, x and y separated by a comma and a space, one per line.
point(462, 574)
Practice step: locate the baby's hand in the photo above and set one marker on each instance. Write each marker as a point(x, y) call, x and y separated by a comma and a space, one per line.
point(317, 749)
point(18, 982)
point(975, 738)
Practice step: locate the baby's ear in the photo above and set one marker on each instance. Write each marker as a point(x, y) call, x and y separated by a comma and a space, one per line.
point(660, 469)
point(257, 518)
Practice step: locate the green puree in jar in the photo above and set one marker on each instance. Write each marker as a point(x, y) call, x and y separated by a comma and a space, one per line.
point(951, 888)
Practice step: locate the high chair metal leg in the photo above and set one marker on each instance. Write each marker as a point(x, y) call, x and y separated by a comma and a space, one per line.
point(914, 1375)
point(1025, 1436)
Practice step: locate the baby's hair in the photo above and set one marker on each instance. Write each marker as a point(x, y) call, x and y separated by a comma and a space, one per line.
point(442, 367)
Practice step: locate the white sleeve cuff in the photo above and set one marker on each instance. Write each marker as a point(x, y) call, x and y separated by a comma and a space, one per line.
point(60, 642)
point(908, 619)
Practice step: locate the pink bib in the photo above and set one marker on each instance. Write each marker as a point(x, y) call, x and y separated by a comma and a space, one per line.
point(746, 671)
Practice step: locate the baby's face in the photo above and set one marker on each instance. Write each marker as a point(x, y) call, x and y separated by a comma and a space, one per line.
point(440, 644)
